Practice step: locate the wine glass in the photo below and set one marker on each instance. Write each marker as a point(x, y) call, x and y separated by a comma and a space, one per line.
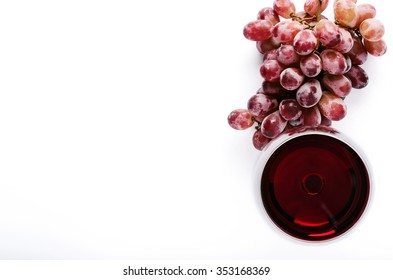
point(314, 182)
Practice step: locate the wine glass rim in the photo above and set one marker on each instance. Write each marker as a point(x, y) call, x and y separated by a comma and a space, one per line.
point(289, 135)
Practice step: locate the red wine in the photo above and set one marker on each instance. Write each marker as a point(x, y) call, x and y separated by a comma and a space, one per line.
point(315, 187)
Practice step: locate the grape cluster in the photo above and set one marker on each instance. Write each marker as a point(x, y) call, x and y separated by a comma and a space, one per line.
point(310, 64)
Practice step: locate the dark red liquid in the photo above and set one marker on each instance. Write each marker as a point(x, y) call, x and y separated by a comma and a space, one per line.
point(315, 187)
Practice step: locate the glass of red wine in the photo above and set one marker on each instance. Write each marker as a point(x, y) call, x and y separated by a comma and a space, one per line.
point(314, 183)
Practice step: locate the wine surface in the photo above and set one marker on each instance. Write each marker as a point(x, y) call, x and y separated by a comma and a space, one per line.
point(315, 187)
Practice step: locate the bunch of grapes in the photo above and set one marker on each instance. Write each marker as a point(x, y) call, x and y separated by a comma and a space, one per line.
point(310, 64)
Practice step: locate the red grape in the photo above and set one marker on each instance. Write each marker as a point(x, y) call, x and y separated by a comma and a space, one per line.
point(272, 89)
point(291, 78)
point(286, 55)
point(346, 13)
point(269, 14)
point(240, 119)
point(333, 62)
point(311, 6)
point(271, 70)
point(285, 31)
point(365, 11)
point(311, 116)
point(309, 93)
point(258, 30)
point(372, 29)
point(290, 110)
point(358, 53)
point(267, 45)
point(259, 140)
point(270, 55)
point(332, 106)
point(284, 8)
point(328, 33)
point(358, 77)
point(261, 104)
point(377, 48)
point(337, 84)
point(311, 65)
point(305, 42)
point(273, 125)
point(346, 43)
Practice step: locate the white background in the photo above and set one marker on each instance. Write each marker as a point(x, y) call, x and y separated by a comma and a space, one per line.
point(114, 142)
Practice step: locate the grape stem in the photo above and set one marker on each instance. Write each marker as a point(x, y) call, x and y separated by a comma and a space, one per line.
point(357, 32)
point(304, 20)
point(319, 11)
point(301, 19)
point(258, 126)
